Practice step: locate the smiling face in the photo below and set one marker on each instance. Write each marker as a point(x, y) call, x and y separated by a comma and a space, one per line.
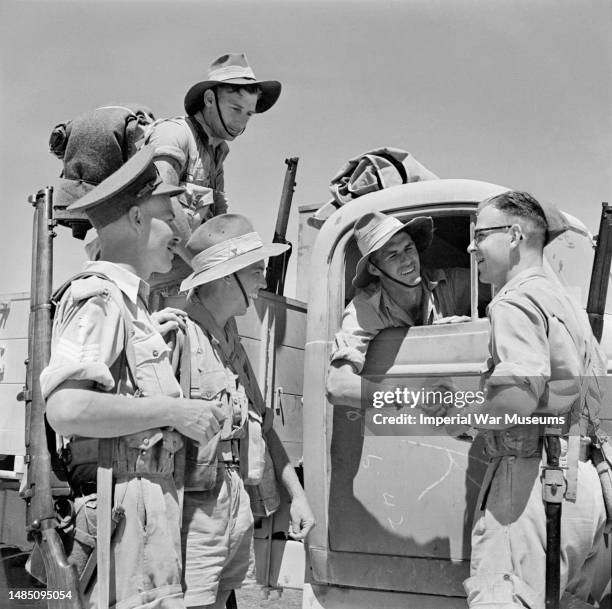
point(253, 279)
point(235, 107)
point(157, 241)
point(398, 258)
point(492, 248)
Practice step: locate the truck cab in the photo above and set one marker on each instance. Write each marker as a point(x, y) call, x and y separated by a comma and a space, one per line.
point(394, 506)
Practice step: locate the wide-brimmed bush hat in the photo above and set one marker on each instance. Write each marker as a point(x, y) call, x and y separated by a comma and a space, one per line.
point(232, 69)
point(373, 230)
point(223, 245)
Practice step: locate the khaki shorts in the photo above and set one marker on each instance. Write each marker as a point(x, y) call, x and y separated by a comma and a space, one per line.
point(145, 558)
point(508, 565)
point(217, 533)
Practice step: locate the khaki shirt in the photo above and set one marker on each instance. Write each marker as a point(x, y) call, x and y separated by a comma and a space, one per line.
point(446, 292)
point(540, 339)
point(201, 164)
point(220, 370)
point(89, 337)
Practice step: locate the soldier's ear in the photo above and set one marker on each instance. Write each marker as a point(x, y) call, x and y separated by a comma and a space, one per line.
point(135, 217)
point(208, 97)
point(517, 235)
point(373, 270)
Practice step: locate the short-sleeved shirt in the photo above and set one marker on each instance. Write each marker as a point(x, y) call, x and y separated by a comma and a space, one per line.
point(200, 162)
point(445, 292)
point(540, 339)
point(89, 337)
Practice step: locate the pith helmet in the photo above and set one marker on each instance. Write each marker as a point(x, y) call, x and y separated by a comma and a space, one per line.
point(232, 69)
point(375, 229)
point(223, 245)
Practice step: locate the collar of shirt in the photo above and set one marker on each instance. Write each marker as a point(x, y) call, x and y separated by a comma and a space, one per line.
point(534, 271)
point(430, 281)
point(210, 141)
point(129, 283)
point(224, 337)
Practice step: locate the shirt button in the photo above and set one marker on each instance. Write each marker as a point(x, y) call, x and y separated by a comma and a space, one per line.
point(155, 352)
point(145, 441)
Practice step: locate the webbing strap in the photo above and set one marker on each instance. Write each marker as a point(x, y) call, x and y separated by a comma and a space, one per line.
point(105, 497)
point(200, 135)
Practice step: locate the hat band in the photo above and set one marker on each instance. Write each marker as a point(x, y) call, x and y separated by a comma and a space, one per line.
point(224, 251)
point(230, 72)
point(377, 236)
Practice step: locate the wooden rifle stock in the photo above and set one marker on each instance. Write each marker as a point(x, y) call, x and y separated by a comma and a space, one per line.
point(277, 266)
point(41, 520)
point(600, 276)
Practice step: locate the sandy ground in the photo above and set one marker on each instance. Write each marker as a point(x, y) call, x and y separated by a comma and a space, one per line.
point(250, 597)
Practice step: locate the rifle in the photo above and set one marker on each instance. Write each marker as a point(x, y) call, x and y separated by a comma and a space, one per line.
point(277, 266)
point(600, 276)
point(42, 481)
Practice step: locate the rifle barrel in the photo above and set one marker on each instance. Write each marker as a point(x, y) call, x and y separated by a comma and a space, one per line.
point(41, 518)
point(600, 276)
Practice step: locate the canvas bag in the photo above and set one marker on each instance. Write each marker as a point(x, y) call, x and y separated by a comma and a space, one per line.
point(373, 170)
point(92, 146)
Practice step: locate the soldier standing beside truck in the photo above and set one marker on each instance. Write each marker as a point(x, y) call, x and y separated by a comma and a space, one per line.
point(541, 352)
point(228, 272)
point(393, 291)
point(190, 150)
point(110, 374)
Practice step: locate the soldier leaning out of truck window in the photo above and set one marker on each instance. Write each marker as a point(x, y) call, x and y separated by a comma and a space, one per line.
point(393, 291)
point(110, 379)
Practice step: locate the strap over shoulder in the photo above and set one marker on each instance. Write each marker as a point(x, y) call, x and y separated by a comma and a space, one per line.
point(86, 285)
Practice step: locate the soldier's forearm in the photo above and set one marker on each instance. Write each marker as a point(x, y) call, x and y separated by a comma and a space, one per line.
point(282, 465)
point(77, 411)
point(347, 388)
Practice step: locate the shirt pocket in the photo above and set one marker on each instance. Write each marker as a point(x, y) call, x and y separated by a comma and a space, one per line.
point(154, 374)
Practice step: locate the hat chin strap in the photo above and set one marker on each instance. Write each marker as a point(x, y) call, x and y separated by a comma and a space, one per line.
point(405, 285)
point(232, 135)
point(244, 294)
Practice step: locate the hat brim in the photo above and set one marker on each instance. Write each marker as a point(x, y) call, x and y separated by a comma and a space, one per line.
point(270, 92)
point(162, 190)
point(228, 267)
point(167, 190)
point(421, 231)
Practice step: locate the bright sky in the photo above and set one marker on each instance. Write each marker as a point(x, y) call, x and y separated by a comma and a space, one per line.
point(512, 92)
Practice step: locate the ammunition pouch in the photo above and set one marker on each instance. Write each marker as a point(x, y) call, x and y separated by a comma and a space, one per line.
point(146, 452)
point(201, 464)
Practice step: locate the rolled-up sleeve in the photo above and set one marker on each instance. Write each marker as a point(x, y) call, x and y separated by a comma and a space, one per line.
point(170, 139)
point(519, 346)
point(87, 339)
point(361, 322)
